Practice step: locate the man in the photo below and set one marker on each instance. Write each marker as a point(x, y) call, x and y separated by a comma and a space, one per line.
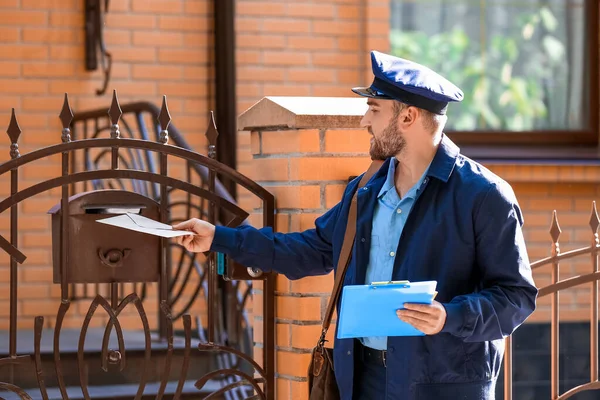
point(429, 213)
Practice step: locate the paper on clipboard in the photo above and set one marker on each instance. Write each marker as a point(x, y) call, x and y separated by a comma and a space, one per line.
point(370, 310)
point(139, 223)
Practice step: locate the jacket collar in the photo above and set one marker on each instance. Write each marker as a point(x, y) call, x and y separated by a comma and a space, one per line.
point(444, 160)
point(441, 166)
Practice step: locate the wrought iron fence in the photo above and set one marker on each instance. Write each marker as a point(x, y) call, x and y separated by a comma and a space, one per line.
point(553, 290)
point(154, 185)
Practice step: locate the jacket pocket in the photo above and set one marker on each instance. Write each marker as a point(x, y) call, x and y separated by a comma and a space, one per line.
point(484, 390)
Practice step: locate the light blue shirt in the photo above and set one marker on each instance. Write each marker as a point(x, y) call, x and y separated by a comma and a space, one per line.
point(391, 213)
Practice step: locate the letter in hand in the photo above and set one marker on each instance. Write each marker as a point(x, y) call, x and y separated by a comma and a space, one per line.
point(203, 238)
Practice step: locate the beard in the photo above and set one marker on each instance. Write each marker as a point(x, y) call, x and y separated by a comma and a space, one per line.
point(389, 144)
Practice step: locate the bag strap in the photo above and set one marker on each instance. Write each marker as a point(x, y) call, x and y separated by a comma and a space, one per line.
point(346, 251)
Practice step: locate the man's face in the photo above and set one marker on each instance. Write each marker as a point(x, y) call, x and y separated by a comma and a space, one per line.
point(381, 120)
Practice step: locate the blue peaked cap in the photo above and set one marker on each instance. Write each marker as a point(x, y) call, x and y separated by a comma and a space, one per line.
point(409, 83)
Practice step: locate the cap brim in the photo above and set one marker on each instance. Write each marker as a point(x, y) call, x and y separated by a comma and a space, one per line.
point(368, 92)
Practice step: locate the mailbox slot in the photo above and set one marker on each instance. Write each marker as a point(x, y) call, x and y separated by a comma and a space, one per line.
point(99, 253)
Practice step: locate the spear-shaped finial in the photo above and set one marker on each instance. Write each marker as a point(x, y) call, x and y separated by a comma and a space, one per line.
point(211, 135)
point(164, 119)
point(14, 131)
point(66, 117)
point(115, 112)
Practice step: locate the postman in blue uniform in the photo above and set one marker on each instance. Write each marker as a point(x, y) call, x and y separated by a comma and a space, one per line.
point(463, 229)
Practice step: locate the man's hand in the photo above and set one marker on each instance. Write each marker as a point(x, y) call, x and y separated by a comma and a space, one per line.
point(428, 318)
point(203, 238)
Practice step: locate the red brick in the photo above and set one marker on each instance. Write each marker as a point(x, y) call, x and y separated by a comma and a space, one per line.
point(248, 56)
point(299, 390)
point(248, 89)
point(200, 7)
point(117, 37)
point(299, 308)
point(194, 105)
point(9, 3)
point(327, 168)
point(181, 89)
point(292, 364)
point(331, 90)
point(248, 24)
point(341, 28)
point(37, 274)
point(203, 40)
point(287, 90)
point(23, 52)
point(66, 52)
point(64, 19)
point(179, 23)
point(43, 35)
point(268, 169)
point(49, 69)
point(24, 18)
point(286, 26)
point(262, 74)
point(290, 141)
point(348, 44)
point(307, 75)
point(313, 11)
point(157, 39)
point(306, 336)
point(296, 196)
point(347, 141)
point(311, 43)
point(49, 4)
point(313, 284)
point(283, 389)
point(8, 68)
point(333, 195)
point(8, 34)
point(29, 86)
point(335, 59)
point(251, 41)
point(351, 12)
point(133, 54)
point(6, 103)
point(130, 21)
point(550, 204)
point(348, 76)
point(378, 12)
point(286, 58)
point(157, 6)
point(260, 8)
point(183, 56)
point(157, 71)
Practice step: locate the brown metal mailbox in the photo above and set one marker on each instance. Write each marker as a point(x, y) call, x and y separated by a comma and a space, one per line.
point(99, 253)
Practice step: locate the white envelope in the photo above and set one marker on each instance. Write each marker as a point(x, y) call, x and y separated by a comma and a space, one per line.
point(139, 223)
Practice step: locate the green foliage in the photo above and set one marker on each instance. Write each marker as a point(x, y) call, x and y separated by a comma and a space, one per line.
point(502, 77)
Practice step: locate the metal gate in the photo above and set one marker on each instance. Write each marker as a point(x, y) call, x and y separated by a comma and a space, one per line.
point(128, 265)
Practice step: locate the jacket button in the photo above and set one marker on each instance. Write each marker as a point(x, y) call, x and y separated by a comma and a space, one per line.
point(349, 352)
point(363, 240)
point(391, 349)
point(365, 189)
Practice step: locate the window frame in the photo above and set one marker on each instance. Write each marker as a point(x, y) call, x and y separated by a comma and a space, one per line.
point(587, 137)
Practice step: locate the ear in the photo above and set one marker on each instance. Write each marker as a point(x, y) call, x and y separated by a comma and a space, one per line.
point(408, 116)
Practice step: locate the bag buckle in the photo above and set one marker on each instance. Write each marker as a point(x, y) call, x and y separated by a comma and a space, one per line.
point(322, 338)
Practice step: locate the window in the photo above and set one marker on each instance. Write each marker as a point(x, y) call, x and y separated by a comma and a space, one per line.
point(528, 68)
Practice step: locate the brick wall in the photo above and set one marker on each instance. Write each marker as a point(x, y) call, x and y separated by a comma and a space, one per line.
point(307, 167)
point(158, 47)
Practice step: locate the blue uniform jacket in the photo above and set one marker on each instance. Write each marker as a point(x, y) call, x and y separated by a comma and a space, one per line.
point(465, 232)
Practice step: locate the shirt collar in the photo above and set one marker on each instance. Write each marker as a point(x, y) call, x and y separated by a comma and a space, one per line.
point(390, 183)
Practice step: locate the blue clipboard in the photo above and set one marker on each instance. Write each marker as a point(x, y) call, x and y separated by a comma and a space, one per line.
point(370, 310)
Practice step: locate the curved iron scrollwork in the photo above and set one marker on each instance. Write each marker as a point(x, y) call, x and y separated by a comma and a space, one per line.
point(227, 334)
point(94, 41)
